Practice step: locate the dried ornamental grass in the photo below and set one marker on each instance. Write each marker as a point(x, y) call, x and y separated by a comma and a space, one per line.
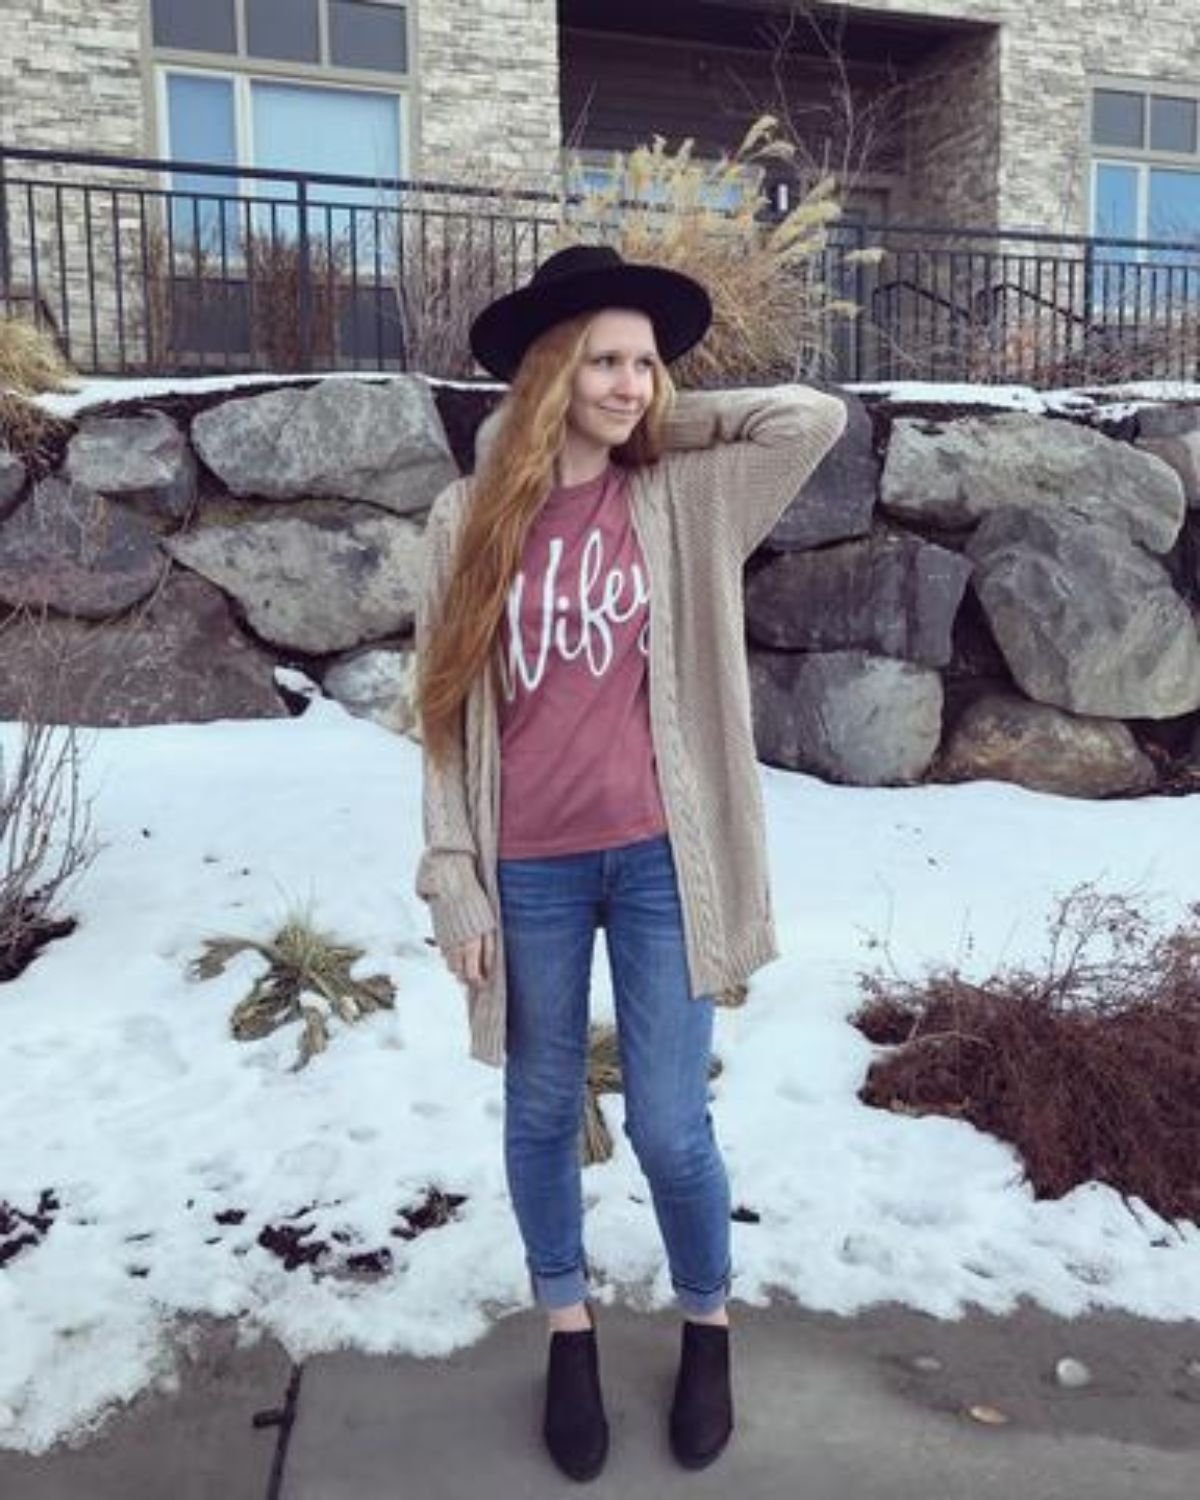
point(604, 1077)
point(1089, 1066)
point(308, 979)
point(774, 310)
point(30, 361)
point(36, 438)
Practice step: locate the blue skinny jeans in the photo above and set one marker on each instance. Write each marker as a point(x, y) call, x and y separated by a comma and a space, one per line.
point(550, 910)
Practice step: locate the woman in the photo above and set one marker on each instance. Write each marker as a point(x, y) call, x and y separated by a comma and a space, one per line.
point(589, 761)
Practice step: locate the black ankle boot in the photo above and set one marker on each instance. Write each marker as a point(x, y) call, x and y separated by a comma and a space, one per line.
point(702, 1411)
point(575, 1427)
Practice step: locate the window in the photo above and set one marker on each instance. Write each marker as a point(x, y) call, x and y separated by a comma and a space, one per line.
point(297, 85)
point(197, 28)
point(1145, 187)
point(1146, 166)
point(233, 120)
point(590, 176)
point(361, 34)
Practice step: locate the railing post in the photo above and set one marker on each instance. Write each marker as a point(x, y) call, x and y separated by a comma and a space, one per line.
point(1089, 279)
point(860, 317)
point(304, 276)
point(5, 256)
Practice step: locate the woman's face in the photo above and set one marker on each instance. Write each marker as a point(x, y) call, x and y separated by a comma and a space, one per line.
point(614, 382)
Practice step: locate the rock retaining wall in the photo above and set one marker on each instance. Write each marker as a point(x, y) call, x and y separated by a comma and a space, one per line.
point(957, 593)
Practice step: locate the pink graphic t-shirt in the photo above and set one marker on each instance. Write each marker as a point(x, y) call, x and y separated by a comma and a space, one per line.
point(577, 759)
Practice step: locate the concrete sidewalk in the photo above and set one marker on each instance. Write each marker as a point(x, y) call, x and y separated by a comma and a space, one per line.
point(828, 1409)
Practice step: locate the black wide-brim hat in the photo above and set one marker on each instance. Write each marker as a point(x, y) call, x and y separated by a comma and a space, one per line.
point(589, 278)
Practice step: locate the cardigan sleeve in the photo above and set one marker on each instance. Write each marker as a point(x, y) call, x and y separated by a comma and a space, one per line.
point(447, 877)
point(750, 452)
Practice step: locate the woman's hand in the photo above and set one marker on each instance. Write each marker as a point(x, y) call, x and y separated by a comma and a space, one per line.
point(471, 962)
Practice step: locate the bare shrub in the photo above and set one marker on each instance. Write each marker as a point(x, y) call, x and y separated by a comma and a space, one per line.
point(843, 132)
point(774, 310)
point(279, 335)
point(263, 271)
point(1088, 1065)
point(453, 252)
point(1076, 352)
point(46, 836)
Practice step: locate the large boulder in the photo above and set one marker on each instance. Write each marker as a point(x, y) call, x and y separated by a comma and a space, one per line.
point(380, 685)
point(839, 498)
point(891, 595)
point(1003, 738)
point(1085, 619)
point(68, 549)
point(381, 443)
point(144, 460)
point(952, 474)
point(12, 481)
point(1172, 433)
point(315, 588)
point(181, 659)
point(854, 718)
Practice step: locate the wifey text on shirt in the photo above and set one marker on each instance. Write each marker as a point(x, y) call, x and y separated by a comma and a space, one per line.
point(602, 600)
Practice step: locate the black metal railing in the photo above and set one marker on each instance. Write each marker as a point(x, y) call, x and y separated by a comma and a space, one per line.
point(139, 265)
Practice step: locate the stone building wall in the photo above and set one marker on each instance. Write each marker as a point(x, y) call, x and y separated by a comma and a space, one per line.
point(953, 112)
point(72, 83)
point(489, 90)
point(76, 85)
point(1047, 56)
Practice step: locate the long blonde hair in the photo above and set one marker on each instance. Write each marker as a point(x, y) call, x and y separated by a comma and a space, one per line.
point(510, 488)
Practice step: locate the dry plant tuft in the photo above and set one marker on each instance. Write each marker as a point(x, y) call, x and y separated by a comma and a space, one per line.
point(308, 979)
point(30, 360)
point(1088, 1065)
point(774, 310)
point(36, 438)
point(604, 1077)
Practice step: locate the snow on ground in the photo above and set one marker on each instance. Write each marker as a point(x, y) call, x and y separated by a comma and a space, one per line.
point(1110, 403)
point(98, 390)
point(125, 1094)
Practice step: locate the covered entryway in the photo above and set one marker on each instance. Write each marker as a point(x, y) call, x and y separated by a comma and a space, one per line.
point(906, 109)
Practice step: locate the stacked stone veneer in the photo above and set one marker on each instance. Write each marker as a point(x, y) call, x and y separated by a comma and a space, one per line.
point(71, 78)
point(954, 594)
point(1033, 76)
point(489, 91)
point(71, 75)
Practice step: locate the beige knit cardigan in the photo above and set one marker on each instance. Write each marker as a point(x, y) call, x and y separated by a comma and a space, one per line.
point(733, 463)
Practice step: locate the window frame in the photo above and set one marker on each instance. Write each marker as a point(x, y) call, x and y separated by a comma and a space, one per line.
point(242, 83)
point(1142, 160)
point(241, 60)
point(590, 162)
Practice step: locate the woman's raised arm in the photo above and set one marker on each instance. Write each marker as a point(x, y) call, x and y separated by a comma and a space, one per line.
point(749, 452)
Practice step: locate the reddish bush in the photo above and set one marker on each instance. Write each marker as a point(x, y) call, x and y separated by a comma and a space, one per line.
point(1089, 1067)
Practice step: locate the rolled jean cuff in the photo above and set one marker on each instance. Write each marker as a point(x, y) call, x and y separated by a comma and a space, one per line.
point(692, 1301)
point(562, 1289)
